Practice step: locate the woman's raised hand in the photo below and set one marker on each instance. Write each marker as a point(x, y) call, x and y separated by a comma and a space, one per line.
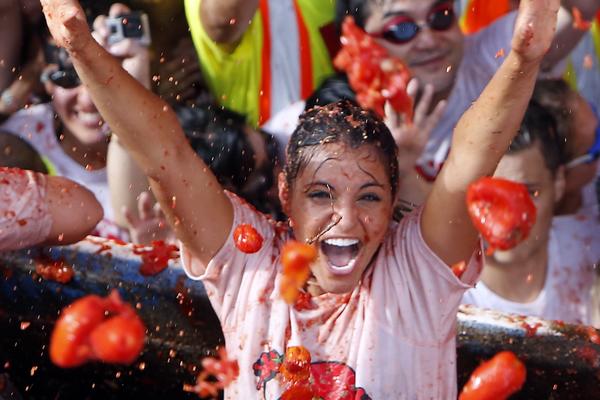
point(67, 23)
point(535, 28)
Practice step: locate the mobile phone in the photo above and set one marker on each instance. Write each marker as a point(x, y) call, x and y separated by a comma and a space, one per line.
point(134, 25)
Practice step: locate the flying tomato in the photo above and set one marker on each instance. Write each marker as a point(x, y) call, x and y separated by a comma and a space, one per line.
point(373, 74)
point(495, 379)
point(502, 211)
point(247, 239)
point(95, 328)
point(295, 259)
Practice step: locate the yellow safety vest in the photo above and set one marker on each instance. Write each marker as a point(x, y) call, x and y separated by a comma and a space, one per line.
point(248, 79)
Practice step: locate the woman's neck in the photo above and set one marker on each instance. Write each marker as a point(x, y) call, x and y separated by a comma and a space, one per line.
point(519, 282)
point(92, 157)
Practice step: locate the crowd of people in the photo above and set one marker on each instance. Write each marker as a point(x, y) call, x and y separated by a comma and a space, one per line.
point(169, 133)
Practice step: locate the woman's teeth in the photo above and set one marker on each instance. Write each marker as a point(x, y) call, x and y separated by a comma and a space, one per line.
point(89, 117)
point(341, 254)
point(341, 242)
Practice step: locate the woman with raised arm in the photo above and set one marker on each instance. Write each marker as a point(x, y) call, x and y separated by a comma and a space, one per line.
point(379, 321)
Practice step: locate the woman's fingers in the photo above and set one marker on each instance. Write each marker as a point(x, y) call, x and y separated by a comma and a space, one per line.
point(145, 206)
point(422, 107)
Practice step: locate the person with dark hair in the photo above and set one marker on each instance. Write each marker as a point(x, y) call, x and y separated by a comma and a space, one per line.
point(578, 126)
point(36, 209)
point(550, 274)
point(450, 70)
point(381, 300)
point(17, 153)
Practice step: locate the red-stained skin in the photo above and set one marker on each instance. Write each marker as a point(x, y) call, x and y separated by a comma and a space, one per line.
point(495, 379)
point(295, 260)
point(247, 239)
point(54, 270)
point(502, 211)
point(375, 76)
point(95, 328)
point(156, 259)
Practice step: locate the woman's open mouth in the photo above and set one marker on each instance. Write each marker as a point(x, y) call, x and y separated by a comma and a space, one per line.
point(340, 254)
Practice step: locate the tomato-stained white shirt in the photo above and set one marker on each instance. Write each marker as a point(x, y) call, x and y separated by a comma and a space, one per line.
point(573, 256)
point(392, 337)
point(24, 216)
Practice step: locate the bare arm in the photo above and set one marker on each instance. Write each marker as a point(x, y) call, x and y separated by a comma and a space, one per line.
point(567, 36)
point(225, 21)
point(484, 132)
point(188, 192)
point(74, 210)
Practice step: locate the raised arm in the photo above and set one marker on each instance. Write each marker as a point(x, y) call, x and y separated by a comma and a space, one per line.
point(189, 194)
point(567, 33)
point(74, 211)
point(484, 132)
point(225, 21)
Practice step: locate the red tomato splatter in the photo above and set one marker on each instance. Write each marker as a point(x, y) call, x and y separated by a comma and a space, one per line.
point(375, 76)
point(495, 379)
point(502, 211)
point(459, 268)
point(156, 259)
point(295, 373)
point(296, 365)
point(247, 239)
point(578, 21)
point(95, 328)
point(530, 330)
point(52, 270)
point(295, 259)
point(217, 374)
point(304, 302)
point(119, 339)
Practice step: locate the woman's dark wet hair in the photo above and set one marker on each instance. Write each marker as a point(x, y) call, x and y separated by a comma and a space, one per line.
point(539, 126)
point(340, 122)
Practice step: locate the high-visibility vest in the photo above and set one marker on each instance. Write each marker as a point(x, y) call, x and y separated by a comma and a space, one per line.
point(281, 58)
point(583, 66)
point(477, 14)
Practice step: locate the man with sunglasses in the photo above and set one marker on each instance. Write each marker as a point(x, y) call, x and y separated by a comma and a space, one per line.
point(425, 34)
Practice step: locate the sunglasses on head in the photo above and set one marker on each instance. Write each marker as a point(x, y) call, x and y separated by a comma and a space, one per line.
point(403, 29)
point(594, 152)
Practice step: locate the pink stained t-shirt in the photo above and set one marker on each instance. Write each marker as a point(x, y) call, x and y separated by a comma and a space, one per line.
point(24, 216)
point(392, 337)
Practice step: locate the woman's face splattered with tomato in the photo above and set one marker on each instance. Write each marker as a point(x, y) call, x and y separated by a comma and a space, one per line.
point(433, 54)
point(528, 167)
point(338, 181)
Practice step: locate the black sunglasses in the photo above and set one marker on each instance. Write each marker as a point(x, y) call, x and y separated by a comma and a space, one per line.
point(66, 78)
point(403, 29)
